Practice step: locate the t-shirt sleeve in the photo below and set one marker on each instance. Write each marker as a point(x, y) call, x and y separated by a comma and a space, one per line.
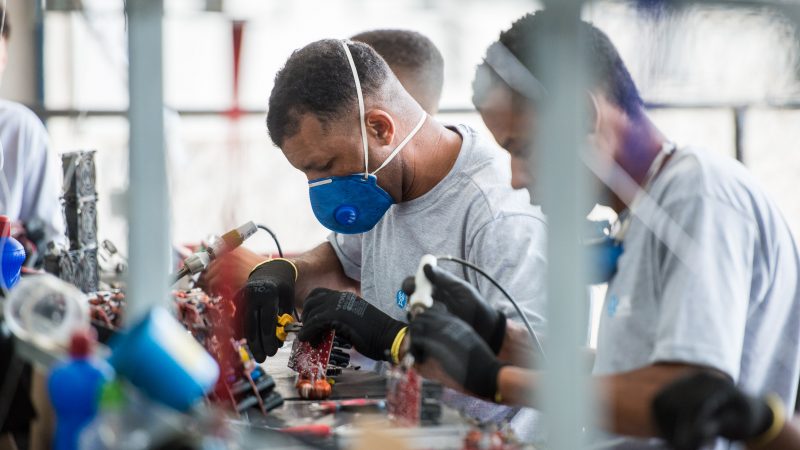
point(348, 250)
point(705, 289)
point(512, 249)
point(41, 204)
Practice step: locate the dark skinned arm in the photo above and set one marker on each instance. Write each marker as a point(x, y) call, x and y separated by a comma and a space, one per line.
point(318, 267)
point(626, 398)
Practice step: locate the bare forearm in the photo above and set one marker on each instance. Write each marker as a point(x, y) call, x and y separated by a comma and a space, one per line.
point(518, 386)
point(788, 438)
point(625, 398)
point(320, 267)
point(517, 347)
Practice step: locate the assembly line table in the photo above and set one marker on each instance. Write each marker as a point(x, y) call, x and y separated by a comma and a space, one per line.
point(349, 427)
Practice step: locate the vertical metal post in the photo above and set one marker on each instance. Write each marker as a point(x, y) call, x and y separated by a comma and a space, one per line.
point(148, 229)
point(40, 66)
point(738, 132)
point(562, 176)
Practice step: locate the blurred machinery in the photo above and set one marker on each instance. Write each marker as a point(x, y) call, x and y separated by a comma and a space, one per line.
point(242, 384)
point(77, 264)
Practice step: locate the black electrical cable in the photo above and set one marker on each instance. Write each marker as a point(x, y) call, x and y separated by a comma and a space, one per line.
point(522, 316)
point(280, 253)
point(274, 238)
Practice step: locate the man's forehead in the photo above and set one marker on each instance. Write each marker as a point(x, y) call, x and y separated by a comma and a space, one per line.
point(313, 136)
point(498, 97)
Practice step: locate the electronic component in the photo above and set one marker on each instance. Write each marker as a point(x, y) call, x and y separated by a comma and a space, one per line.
point(490, 437)
point(410, 400)
point(79, 174)
point(77, 267)
point(77, 264)
point(404, 396)
point(242, 383)
point(311, 364)
point(105, 308)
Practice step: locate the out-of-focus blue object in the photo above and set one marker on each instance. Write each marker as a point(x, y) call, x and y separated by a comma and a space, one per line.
point(74, 388)
point(603, 251)
point(160, 358)
point(13, 254)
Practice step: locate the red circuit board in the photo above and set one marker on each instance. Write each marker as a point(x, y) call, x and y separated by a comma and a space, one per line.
point(404, 396)
point(311, 364)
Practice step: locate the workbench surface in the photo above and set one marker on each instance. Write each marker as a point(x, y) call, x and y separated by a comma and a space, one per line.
point(346, 425)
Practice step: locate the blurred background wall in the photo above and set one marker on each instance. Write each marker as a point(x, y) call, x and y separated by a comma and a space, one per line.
point(715, 77)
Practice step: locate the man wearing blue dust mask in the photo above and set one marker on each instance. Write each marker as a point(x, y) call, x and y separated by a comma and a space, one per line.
point(392, 184)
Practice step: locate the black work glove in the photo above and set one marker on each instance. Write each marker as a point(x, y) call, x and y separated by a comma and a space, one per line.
point(694, 410)
point(371, 331)
point(268, 293)
point(461, 353)
point(466, 303)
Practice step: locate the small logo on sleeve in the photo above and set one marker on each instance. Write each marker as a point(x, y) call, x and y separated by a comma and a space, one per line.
point(401, 299)
point(611, 306)
point(619, 306)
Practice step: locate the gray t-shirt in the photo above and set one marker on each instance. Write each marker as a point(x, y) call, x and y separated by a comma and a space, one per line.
point(734, 307)
point(474, 214)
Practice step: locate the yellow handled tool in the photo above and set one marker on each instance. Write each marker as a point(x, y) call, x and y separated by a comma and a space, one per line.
point(286, 325)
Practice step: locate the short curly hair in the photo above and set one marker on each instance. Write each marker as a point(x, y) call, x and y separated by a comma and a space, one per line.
point(317, 79)
point(411, 52)
point(608, 71)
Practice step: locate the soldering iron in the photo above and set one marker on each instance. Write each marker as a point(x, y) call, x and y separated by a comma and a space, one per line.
point(218, 246)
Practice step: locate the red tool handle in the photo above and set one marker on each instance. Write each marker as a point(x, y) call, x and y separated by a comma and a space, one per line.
point(314, 430)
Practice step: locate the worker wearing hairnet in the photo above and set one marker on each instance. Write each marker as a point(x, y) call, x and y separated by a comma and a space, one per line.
point(30, 188)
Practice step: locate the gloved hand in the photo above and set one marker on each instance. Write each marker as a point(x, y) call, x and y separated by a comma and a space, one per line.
point(466, 303)
point(371, 331)
point(439, 337)
point(694, 410)
point(268, 293)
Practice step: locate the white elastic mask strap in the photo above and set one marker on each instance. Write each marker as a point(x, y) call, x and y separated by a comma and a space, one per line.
point(403, 143)
point(361, 112)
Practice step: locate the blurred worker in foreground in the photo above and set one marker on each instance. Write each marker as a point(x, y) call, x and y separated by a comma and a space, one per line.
point(414, 60)
point(707, 281)
point(392, 184)
point(31, 189)
point(698, 408)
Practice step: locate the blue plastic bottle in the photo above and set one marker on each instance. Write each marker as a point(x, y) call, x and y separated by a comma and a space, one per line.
point(12, 257)
point(75, 387)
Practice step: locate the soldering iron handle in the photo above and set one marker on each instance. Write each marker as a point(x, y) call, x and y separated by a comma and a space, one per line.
point(422, 298)
point(180, 274)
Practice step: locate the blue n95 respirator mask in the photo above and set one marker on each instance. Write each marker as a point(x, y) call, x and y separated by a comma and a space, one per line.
point(355, 203)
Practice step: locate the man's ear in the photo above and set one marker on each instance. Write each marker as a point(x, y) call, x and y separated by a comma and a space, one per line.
point(380, 126)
